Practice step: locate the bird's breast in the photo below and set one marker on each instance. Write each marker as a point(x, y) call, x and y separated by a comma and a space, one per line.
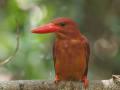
point(70, 60)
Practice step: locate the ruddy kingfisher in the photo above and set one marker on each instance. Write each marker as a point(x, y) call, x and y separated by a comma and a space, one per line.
point(70, 51)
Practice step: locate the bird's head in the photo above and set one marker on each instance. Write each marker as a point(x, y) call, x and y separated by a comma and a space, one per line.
point(60, 26)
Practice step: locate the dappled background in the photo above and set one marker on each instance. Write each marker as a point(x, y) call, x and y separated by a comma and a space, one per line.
point(99, 21)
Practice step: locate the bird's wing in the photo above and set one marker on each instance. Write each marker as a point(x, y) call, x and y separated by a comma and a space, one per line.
point(87, 49)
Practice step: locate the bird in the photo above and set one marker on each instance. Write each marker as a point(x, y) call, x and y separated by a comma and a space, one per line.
point(71, 50)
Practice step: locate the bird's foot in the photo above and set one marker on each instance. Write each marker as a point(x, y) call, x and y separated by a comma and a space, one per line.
point(85, 81)
point(56, 79)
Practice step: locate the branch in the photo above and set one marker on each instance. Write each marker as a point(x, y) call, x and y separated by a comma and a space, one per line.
point(17, 47)
point(111, 84)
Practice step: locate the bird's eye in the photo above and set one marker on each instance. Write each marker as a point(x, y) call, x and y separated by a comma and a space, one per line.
point(62, 24)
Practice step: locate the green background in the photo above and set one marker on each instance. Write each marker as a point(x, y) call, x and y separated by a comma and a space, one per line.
point(99, 21)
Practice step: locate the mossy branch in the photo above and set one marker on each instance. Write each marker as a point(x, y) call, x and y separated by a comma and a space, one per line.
point(111, 84)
